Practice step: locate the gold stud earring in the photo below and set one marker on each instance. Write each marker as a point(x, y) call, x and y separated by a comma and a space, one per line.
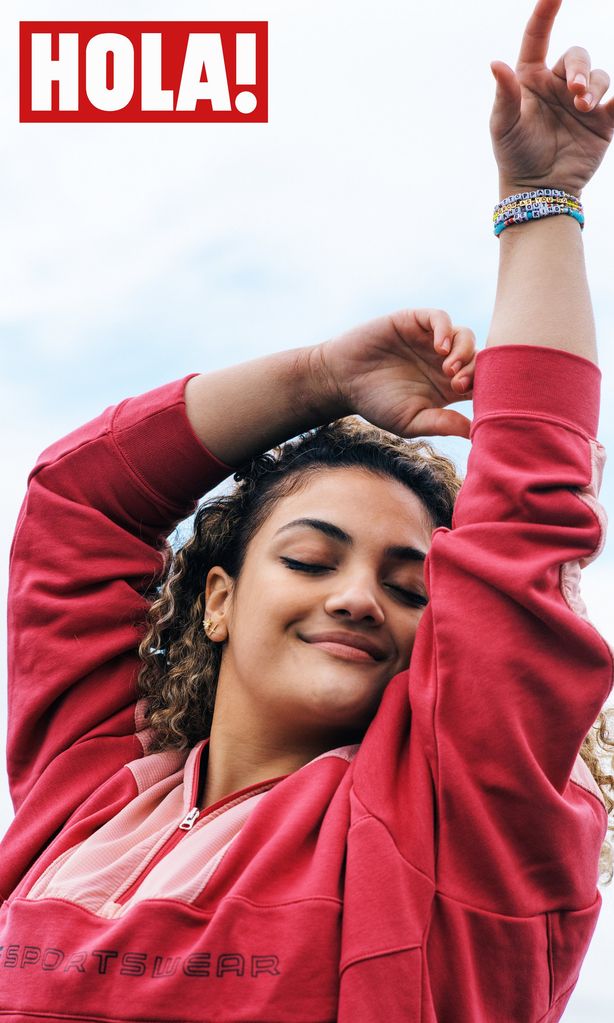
point(208, 622)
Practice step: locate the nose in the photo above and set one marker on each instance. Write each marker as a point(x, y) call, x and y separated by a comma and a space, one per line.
point(355, 598)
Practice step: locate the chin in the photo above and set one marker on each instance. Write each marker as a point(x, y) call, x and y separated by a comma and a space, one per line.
point(344, 702)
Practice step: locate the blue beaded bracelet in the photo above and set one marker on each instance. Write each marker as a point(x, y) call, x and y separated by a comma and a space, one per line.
point(519, 218)
point(535, 205)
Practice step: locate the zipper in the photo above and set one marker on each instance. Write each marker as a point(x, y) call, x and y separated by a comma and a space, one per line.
point(190, 819)
point(174, 838)
point(180, 830)
point(176, 835)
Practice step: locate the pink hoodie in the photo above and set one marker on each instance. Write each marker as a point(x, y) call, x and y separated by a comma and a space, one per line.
point(444, 869)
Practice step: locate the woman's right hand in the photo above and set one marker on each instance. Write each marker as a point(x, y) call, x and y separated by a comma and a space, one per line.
point(396, 372)
point(544, 132)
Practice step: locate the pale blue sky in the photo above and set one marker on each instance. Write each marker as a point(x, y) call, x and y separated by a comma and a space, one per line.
point(134, 254)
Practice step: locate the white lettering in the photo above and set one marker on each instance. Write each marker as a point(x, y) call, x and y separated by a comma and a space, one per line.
point(153, 96)
point(119, 95)
point(64, 70)
point(204, 51)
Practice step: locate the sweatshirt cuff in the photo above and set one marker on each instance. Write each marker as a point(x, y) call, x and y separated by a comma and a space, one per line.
point(157, 440)
point(537, 380)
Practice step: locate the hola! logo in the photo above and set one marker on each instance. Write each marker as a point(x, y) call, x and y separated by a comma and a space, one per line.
point(143, 71)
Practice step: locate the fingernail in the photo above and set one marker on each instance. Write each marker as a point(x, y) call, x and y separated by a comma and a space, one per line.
point(587, 98)
point(463, 383)
point(455, 368)
point(580, 80)
point(445, 344)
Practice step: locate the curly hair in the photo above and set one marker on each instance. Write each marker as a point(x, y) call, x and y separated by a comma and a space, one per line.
point(597, 752)
point(180, 669)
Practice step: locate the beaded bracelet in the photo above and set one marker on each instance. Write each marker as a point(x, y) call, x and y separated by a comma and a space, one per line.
point(542, 202)
point(543, 197)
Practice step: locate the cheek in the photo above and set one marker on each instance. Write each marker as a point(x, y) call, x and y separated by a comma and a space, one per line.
point(407, 641)
point(261, 616)
point(282, 602)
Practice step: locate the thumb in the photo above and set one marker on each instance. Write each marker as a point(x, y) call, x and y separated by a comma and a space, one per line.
point(439, 422)
point(507, 97)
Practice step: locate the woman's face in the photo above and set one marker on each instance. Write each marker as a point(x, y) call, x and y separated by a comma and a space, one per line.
point(339, 562)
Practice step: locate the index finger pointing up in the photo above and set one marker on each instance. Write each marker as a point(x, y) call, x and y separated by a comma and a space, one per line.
point(536, 38)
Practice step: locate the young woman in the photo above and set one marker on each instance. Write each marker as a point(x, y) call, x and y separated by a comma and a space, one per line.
point(351, 788)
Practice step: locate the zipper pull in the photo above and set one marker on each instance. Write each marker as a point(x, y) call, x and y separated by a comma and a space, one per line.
point(189, 820)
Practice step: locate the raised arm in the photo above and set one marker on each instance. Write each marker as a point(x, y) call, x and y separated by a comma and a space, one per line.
point(396, 371)
point(548, 130)
point(87, 552)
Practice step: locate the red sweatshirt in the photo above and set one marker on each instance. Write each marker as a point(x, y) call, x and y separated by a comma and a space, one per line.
point(444, 869)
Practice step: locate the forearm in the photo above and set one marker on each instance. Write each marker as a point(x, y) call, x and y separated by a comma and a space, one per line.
point(543, 296)
point(243, 410)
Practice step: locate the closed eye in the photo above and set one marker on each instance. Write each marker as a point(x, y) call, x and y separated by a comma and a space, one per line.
point(408, 596)
point(412, 598)
point(304, 566)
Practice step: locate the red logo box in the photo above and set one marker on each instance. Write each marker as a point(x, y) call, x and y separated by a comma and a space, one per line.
point(131, 71)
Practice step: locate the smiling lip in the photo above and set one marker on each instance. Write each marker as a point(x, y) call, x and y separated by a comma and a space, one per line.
point(347, 646)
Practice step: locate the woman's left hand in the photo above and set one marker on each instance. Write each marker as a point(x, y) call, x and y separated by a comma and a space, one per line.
point(399, 372)
point(544, 131)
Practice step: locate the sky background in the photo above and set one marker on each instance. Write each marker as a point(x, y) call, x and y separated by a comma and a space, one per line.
point(134, 254)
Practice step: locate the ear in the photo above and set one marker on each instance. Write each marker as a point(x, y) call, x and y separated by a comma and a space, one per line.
point(219, 588)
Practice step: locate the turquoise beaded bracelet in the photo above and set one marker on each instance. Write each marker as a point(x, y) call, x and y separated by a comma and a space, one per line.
point(534, 205)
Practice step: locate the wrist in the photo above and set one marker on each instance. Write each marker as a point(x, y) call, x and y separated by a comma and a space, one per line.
point(320, 390)
point(508, 187)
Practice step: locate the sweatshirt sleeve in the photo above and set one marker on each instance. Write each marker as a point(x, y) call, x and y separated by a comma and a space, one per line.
point(519, 673)
point(88, 550)
point(478, 777)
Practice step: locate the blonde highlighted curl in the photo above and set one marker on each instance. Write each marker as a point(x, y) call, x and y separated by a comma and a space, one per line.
point(178, 677)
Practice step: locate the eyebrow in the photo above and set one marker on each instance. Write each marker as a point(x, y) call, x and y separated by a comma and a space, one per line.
point(400, 551)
